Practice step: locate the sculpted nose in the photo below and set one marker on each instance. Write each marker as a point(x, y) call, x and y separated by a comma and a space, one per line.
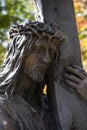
point(46, 57)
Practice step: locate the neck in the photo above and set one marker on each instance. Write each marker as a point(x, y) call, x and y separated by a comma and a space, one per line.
point(25, 87)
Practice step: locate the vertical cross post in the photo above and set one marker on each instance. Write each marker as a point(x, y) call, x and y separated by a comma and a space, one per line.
point(64, 103)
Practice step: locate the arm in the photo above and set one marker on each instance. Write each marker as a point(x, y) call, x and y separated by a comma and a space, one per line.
point(76, 78)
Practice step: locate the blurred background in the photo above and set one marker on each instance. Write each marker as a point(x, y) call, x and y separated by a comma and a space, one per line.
point(17, 11)
point(81, 19)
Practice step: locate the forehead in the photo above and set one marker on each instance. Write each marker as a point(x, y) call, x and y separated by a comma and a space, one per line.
point(45, 42)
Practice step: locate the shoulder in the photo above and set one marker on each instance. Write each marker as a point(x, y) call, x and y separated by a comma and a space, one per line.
point(7, 118)
point(5, 122)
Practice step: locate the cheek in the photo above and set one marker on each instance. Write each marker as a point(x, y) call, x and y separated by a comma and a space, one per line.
point(30, 61)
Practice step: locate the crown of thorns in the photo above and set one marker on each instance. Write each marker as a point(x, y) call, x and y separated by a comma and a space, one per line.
point(38, 29)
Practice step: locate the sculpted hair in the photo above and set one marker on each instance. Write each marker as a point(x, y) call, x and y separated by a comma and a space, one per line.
point(23, 36)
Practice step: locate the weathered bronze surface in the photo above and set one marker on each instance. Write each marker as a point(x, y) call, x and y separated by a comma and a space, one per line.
point(68, 109)
point(76, 77)
point(33, 47)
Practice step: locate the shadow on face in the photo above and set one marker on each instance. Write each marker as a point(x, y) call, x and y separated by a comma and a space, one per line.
point(41, 55)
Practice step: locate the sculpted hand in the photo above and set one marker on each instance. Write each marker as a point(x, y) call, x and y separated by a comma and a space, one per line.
point(76, 77)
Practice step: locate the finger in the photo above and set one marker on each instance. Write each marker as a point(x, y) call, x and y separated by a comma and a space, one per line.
point(72, 84)
point(75, 71)
point(75, 66)
point(81, 69)
point(72, 77)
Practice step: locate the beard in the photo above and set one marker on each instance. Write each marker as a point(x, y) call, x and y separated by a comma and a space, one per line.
point(36, 75)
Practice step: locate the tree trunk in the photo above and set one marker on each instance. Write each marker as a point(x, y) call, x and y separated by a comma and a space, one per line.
point(68, 110)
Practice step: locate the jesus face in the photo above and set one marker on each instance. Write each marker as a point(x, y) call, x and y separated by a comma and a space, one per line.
point(36, 63)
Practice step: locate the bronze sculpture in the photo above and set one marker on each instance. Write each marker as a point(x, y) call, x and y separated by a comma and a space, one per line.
point(33, 47)
point(68, 109)
point(76, 77)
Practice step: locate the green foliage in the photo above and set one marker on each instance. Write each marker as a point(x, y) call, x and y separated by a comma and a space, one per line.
point(13, 12)
point(2, 54)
